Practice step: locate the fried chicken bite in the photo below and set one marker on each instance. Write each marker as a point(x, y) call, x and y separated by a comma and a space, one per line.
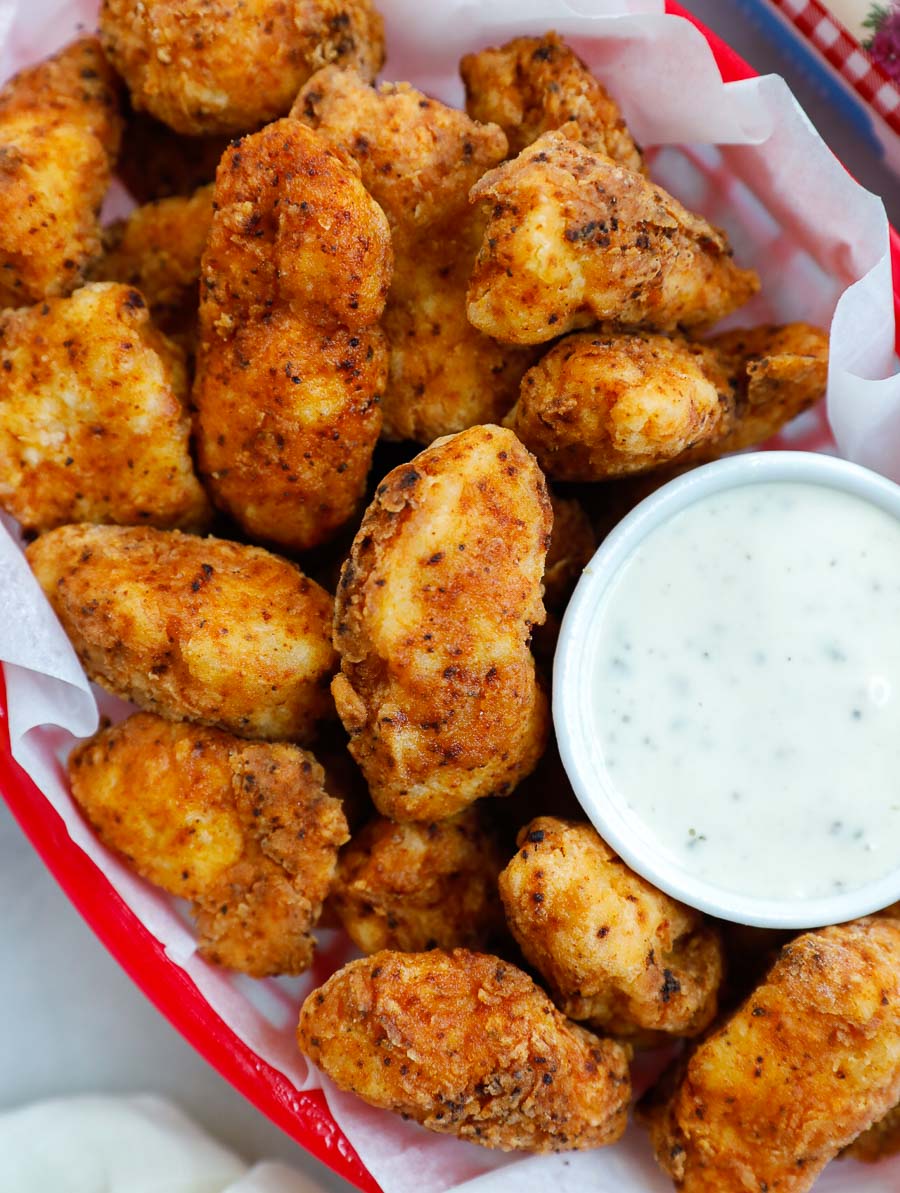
point(466, 1045)
point(59, 135)
point(572, 238)
point(209, 66)
point(532, 85)
point(291, 358)
point(243, 829)
point(572, 546)
point(432, 622)
point(93, 416)
point(197, 629)
point(421, 886)
point(606, 404)
point(419, 159)
point(807, 1063)
point(155, 162)
point(444, 375)
point(882, 1139)
point(615, 951)
point(778, 372)
point(158, 249)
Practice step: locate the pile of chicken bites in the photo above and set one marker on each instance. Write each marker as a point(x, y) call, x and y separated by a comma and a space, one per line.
point(280, 442)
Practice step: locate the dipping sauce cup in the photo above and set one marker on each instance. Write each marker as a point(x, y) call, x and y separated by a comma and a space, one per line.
point(726, 689)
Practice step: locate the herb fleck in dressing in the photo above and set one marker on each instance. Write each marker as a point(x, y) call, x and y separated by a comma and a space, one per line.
point(747, 670)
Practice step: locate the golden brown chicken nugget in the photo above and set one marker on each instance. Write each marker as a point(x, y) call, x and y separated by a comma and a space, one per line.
point(615, 951)
point(807, 1063)
point(59, 134)
point(778, 372)
point(243, 829)
point(191, 628)
point(466, 1045)
point(531, 85)
point(210, 66)
point(607, 404)
point(444, 375)
point(573, 238)
point(158, 249)
point(572, 546)
point(413, 887)
point(432, 622)
point(291, 358)
point(882, 1139)
point(94, 424)
point(419, 159)
point(155, 162)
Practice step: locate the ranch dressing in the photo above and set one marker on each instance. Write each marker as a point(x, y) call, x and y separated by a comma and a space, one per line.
point(746, 678)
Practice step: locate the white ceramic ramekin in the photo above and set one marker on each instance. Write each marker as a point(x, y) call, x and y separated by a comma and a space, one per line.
point(573, 678)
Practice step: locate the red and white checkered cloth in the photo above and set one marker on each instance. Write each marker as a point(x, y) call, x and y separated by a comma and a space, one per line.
point(843, 51)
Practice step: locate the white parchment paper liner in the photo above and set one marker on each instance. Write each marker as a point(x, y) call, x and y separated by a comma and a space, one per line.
point(748, 159)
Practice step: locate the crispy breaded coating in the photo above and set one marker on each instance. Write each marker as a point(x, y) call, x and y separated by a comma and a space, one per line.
point(419, 159)
point(432, 620)
point(607, 404)
point(807, 1063)
point(778, 372)
point(190, 628)
point(444, 375)
point(615, 951)
point(59, 135)
point(421, 886)
point(210, 66)
point(466, 1045)
point(291, 358)
point(531, 85)
point(573, 238)
point(94, 424)
point(881, 1140)
point(155, 162)
point(243, 829)
point(158, 249)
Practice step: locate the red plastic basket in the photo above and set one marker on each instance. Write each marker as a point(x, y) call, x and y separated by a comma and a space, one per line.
point(304, 1116)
